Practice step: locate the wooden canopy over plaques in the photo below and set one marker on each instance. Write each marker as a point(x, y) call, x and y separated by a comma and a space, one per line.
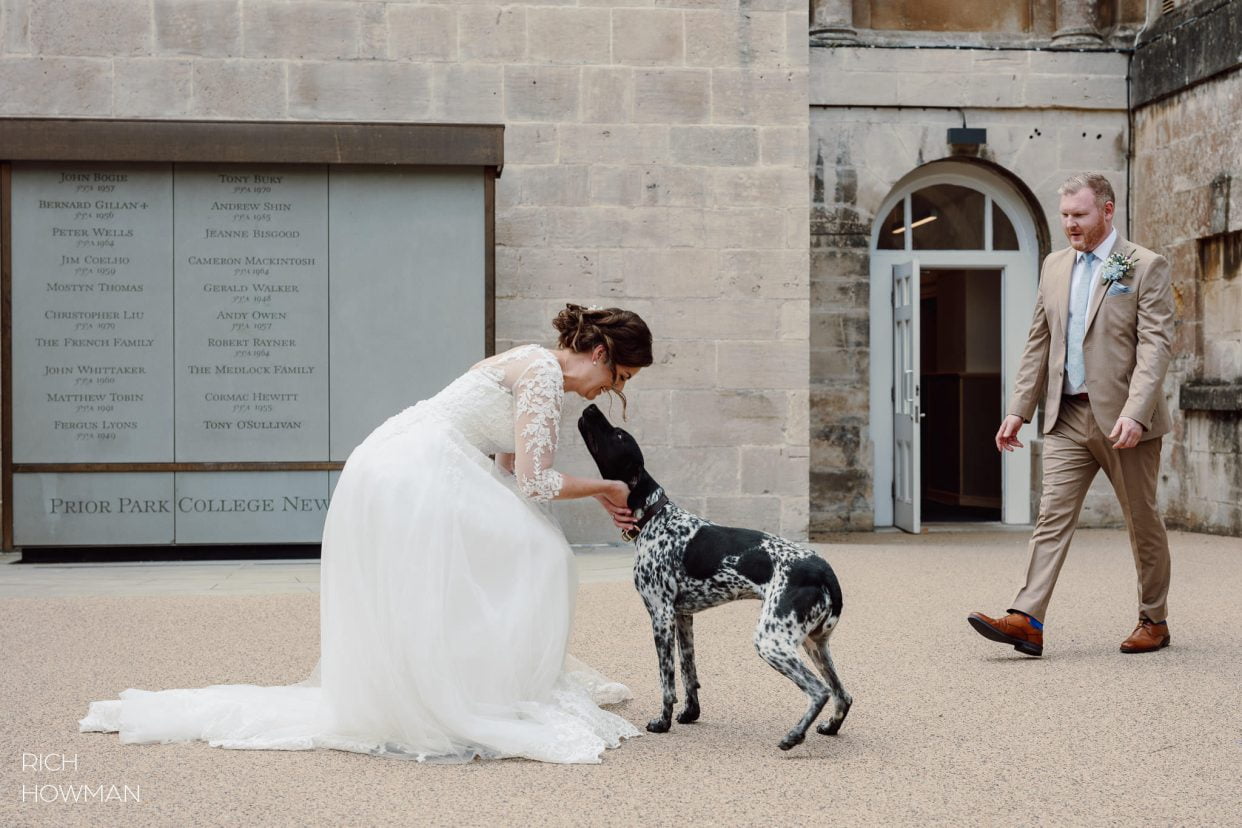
point(201, 319)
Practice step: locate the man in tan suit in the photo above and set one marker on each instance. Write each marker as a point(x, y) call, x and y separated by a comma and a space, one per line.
point(1097, 354)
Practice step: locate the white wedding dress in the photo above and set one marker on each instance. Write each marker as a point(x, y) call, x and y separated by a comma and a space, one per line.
point(446, 593)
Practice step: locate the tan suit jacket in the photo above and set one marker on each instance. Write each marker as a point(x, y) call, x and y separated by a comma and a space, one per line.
point(1126, 348)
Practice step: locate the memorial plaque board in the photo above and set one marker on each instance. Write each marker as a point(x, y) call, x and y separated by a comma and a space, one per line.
point(413, 237)
point(93, 509)
point(252, 312)
point(92, 335)
point(206, 322)
point(251, 507)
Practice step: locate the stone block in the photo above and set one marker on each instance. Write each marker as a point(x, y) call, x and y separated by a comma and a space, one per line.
point(798, 228)
point(15, 25)
point(647, 413)
point(797, 44)
point(712, 319)
point(538, 272)
point(728, 418)
point(768, 470)
point(753, 512)
point(527, 320)
point(616, 186)
point(607, 95)
point(418, 32)
point(373, 32)
point(769, 274)
point(1076, 91)
point(669, 186)
point(751, 38)
point(522, 227)
point(714, 145)
point(492, 33)
point(661, 273)
point(202, 28)
point(966, 89)
point(758, 96)
point(51, 86)
point(619, 144)
point(797, 421)
point(467, 93)
point(827, 88)
point(244, 90)
point(151, 88)
point(568, 35)
point(648, 37)
point(783, 146)
point(1097, 146)
point(795, 518)
point(681, 365)
point(748, 187)
point(561, 185)
point(743, 229)
point(82, 28)
point(763, 364)
point(672, 96)
point(701, 470)
point(832, 365)
point(795, 320)
point(530, 144)
point(541, 93)
point(360, 90)
point(300, 30)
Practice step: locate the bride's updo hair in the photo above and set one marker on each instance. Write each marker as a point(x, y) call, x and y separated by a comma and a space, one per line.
point(624, 335)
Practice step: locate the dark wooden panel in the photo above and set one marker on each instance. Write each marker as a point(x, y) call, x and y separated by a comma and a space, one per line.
point(6, 344)
point(60, 139)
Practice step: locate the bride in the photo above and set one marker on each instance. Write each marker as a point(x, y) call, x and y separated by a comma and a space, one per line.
point(446, 590)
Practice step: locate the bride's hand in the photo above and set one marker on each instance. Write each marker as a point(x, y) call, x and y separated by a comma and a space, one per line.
point(614, 502)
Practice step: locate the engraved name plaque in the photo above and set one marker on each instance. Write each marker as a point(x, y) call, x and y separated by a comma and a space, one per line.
point(252, 313)
point(199, 337)
point(92, 327)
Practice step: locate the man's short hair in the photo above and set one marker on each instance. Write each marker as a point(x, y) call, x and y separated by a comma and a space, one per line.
point(1093, 181)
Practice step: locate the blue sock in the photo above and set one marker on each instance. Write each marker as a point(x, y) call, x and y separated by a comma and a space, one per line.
point(1035, 622)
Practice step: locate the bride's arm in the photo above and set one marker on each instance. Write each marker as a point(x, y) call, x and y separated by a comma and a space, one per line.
point(538, 394)
point(504, 462)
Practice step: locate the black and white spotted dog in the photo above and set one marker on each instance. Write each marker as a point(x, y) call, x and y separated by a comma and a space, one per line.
point(685, 564)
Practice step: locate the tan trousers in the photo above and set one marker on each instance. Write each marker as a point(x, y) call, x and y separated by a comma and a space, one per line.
point(1074, 451)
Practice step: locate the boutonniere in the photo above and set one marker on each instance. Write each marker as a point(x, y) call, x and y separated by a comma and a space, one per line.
point(1116, 267)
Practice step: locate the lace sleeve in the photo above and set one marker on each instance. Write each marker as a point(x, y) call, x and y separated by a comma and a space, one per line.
point(538, 394)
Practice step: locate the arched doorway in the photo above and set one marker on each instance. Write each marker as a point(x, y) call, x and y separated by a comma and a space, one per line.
point(954, 272)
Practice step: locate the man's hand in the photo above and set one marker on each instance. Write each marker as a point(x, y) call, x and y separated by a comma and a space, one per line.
point(614, 502)
point(1007, 436)
point(1126, 433)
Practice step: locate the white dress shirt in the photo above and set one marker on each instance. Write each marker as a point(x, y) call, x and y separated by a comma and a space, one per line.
point(1101, 252)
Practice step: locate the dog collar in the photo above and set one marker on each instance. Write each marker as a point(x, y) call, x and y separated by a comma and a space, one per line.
point(649, 512)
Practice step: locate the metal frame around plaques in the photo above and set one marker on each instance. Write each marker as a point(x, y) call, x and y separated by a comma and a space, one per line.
point(396, 145)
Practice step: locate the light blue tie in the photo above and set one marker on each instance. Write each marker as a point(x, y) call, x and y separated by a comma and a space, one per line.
point(1075, 371)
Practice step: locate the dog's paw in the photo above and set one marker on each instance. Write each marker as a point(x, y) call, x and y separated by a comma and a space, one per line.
point(689, 715)
point(792, 741)
point(659, 725)
point(831, 728)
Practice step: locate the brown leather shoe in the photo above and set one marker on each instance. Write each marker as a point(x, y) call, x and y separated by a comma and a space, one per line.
point(1147, 637)
point(1015, 628)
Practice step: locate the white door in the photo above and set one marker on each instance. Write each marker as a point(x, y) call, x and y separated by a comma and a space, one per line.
point(907, 408)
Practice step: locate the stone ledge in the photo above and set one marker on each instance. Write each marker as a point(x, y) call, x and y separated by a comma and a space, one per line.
point(1197, 396)
point(1186, 46)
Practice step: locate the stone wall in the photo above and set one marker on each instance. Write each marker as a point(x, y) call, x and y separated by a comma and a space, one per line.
point(1188, 205)
point(656, 158)
point(877, 114)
